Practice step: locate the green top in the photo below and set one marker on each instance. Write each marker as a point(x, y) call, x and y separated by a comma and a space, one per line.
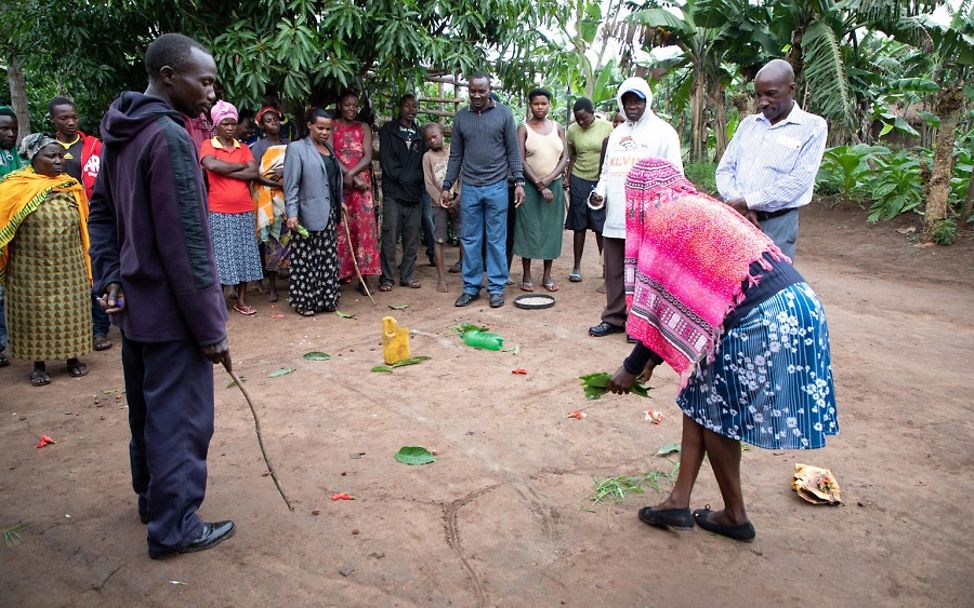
point(585, 146)
point(9, 162)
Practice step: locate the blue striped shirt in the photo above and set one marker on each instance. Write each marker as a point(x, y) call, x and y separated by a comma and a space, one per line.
point(773, 167)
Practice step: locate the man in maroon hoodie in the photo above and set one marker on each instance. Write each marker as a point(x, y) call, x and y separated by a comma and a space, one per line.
point(152, 258)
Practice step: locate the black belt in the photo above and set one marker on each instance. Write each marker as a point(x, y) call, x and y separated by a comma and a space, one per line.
point(765, 215)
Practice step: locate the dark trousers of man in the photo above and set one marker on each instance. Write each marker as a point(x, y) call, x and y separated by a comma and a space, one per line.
point(405, 216)
point(615, 285)
point(99, 318)
point(169, 386)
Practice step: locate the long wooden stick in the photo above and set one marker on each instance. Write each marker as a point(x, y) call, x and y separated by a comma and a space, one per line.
point(351, 250)
point(260, 437)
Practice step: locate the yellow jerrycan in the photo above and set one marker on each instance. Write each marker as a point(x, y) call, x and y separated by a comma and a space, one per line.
point(395, 341)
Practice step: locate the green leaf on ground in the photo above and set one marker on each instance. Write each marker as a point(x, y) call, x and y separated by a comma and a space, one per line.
point(596, 385)
point(669, 448)
point(11, 536)
point(463, 328)
point(344, 315)
point(317, 356)
point(399, 306)
point(513, 350)
point(387, 369)
point(413, 455)
point(233, 383)
point(277, 373)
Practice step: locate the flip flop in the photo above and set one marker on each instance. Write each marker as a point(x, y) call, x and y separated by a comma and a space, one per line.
point(102, 343)
point(39, 378)
point(550, 286)
point(306, 313)
point(575, 277)
point(414, 284)
point(77, 369)
point(246, 311)
point(528, 286)
point(384, 287)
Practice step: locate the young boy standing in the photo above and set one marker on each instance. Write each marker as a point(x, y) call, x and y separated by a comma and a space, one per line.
point(435, 161)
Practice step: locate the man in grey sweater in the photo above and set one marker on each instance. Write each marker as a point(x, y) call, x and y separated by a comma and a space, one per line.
point(483, 149)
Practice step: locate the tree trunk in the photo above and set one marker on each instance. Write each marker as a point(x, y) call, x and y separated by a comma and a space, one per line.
point(698, 145)
point(18, 96)
point(949, 103)
point(720, 119)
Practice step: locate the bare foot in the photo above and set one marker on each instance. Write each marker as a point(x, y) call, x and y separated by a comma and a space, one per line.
point(441, 286)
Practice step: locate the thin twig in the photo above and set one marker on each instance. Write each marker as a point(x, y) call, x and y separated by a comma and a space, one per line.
point(351, 250)
point(260, 437)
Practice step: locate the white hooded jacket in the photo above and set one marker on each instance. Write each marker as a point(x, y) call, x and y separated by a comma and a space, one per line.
point(629, 143)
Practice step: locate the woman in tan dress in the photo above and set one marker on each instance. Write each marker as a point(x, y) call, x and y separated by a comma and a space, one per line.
point(44, 260)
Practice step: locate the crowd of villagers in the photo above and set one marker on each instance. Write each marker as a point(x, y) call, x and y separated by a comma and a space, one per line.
point(297, 200)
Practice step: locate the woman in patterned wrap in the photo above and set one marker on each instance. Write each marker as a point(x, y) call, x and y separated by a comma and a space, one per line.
point(44, 260)
point(313, 202)
point(713, 297)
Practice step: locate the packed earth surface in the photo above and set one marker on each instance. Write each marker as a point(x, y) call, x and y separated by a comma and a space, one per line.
point(504, 516)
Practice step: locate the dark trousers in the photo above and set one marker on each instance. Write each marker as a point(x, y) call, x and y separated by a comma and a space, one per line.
point(169, 387)
point(99, 318)
point(406, 217)
point(615, 284)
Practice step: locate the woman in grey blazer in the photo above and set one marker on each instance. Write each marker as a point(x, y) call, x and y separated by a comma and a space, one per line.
point(312, 199)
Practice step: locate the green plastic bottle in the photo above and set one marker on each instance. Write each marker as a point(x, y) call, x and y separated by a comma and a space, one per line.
point(483, 340)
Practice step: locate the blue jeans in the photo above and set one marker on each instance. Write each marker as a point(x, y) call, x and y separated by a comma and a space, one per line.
point(428, 225)
point(3, 323)
point(483, 217)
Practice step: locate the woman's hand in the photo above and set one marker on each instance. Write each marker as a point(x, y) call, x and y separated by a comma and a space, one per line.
point(348, 179)
point(647, 372)
point(360, 184)
point(595, 201)
point(277, 174)
point(292, 224)
point(622, 381)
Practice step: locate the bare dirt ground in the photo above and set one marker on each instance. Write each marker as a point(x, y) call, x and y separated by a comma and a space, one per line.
point(502, 518)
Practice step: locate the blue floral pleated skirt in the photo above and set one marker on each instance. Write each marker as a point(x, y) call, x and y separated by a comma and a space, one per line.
point(770, 384)
point(235, 248)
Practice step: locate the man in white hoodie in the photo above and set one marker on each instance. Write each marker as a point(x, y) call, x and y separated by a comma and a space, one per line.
point(642, 135)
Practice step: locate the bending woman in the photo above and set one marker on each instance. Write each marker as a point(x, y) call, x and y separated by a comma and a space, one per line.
point(313, 200)
point(44, 260)
point(712, 296)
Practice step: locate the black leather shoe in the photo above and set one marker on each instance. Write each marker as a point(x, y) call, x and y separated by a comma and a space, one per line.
point(678, 519)
point(604, 329)
point(496, 300)
point(213, 534)
point(744, 532)
point(466, 298)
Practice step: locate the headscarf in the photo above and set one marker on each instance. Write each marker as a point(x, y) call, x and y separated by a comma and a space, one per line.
point(687, 256)
point(22, 192)
point(34, 143)
point(221, 110)
point(265, 110)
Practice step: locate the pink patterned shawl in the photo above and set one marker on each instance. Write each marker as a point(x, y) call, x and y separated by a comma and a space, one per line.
point(687, 255)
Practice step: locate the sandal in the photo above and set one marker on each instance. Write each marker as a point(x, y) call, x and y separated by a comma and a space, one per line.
point(384, 287)
point(413, 283)
point(102, 343)
point(550, 286)
point(306, 313)
point(39, 378)
point(245, 310)
point(528, 286)
point(362, 289)
point(575, 277)
point(77, 369)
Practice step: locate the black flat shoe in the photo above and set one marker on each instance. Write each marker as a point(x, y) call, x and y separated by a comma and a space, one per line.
point(743, 532)
point(604, 329)
point(678, 519)
point(213, 534)
point(466, 298)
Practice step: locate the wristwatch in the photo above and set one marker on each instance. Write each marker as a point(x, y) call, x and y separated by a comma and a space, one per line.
point(518, 182)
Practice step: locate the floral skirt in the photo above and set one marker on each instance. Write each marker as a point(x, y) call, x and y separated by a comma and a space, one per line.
point(770, 384)
point(235, 248)
point(314, 271)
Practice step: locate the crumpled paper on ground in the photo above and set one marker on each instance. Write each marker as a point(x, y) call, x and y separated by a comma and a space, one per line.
point(816, 485)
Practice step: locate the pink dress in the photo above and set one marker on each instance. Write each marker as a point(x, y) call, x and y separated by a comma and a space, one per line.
point(349, 148)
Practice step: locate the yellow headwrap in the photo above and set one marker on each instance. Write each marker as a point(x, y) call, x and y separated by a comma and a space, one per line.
point(21, 193)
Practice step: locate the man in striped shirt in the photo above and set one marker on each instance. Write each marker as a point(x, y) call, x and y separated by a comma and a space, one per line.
point(768, 170)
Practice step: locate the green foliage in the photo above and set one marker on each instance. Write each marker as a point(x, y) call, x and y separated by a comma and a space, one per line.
point(595, 385)
point(618, 488)
point(414, 455)
point(388, 369)
point(844, 168)
point(895, 186)
point(703, 174)
point(945, 233)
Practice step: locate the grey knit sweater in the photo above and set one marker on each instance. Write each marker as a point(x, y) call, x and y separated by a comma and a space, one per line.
point(483, 147)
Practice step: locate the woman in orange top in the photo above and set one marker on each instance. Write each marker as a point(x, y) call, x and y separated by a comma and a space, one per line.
point(229, 169)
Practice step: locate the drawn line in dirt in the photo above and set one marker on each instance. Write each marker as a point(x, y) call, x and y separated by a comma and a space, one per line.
point(98, 587)
point(453, 539)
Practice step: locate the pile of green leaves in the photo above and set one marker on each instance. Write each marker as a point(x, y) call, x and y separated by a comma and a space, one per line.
point(595, 385)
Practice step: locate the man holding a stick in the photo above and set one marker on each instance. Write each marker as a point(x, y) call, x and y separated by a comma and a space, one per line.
point(152, 259)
